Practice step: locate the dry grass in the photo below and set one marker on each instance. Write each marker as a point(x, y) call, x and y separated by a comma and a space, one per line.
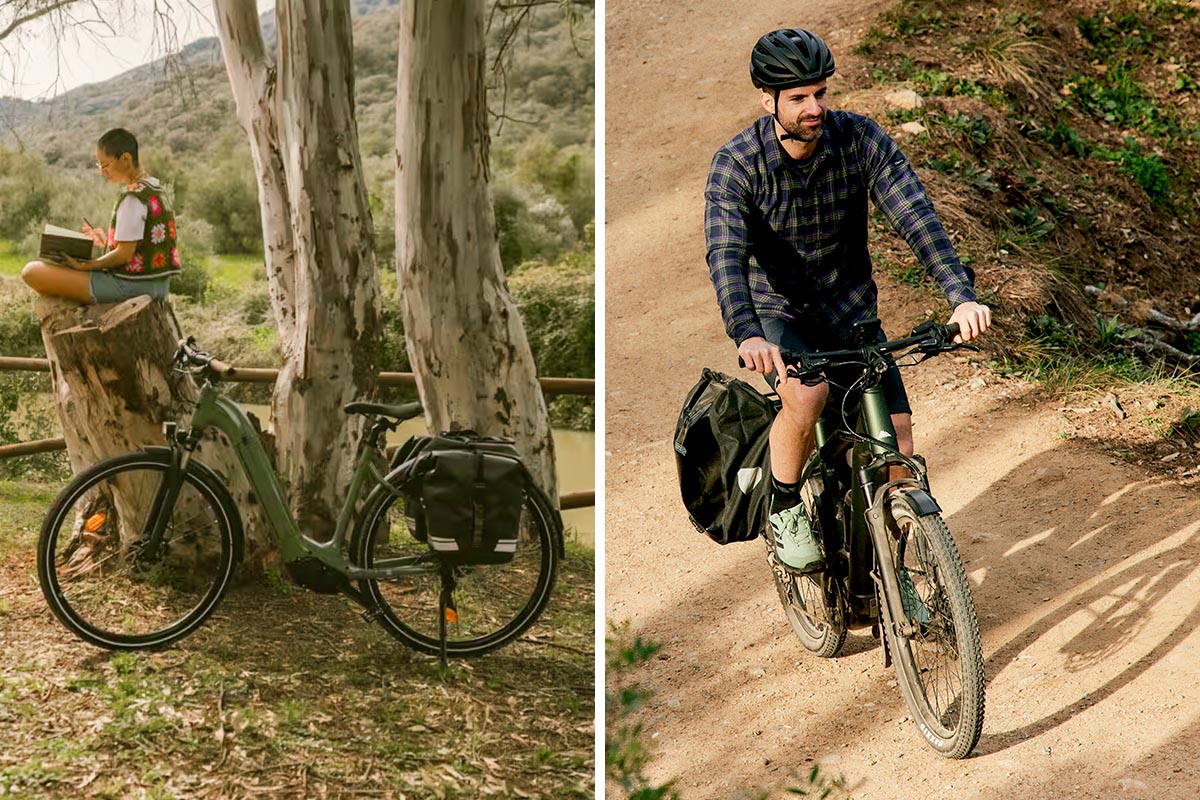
point(287, 694)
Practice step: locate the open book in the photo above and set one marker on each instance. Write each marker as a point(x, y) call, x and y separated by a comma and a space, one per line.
point(57, 242)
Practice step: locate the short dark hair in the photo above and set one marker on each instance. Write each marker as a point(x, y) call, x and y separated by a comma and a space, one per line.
point(119, 141)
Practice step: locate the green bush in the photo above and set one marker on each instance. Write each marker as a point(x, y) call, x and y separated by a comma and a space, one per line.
point(530, 225)
point(20, 334)
point(25, 194)
point(558, 305)
point(227, 197)
point(1064, 138)
point(1148, 169)
point(23, 419)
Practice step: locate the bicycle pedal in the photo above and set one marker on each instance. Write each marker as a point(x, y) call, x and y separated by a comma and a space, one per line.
point(371, 614)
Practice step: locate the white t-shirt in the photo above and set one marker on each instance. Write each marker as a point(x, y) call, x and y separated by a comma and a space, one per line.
point(131, 216)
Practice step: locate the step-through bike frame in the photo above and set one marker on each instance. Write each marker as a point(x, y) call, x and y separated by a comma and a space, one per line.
point(215, 410)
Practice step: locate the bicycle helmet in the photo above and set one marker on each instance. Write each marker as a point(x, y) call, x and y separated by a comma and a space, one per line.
point(789, 57)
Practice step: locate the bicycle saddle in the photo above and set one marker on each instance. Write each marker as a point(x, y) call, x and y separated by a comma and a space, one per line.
point(399, 413)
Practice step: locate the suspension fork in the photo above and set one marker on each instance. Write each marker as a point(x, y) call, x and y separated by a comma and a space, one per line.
point(874, 496)
point(881, 540)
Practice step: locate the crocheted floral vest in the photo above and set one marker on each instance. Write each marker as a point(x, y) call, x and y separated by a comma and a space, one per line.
point(157, 253)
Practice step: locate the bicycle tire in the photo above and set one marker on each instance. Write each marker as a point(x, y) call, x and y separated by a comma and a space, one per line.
point(99, 580)
point(940, 667)
point(494, 603)
point(800, 593)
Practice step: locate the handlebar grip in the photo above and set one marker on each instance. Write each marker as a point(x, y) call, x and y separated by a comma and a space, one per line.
point(953, 329)
point(741, 362)
point(219, 367)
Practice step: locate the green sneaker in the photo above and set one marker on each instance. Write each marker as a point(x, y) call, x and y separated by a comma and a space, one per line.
point(795, 546)
point(914, 609)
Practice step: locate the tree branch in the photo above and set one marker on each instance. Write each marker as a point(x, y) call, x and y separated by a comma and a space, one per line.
point(32, 15)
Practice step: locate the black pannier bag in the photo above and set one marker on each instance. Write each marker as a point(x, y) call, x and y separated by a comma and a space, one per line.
point(464, 494)
point(723, 458)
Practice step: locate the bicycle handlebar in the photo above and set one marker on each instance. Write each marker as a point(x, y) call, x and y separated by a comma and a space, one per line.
point(928, 337)
point(189, 356)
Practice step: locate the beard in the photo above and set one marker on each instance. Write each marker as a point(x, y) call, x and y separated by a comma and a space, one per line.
point(801, 132)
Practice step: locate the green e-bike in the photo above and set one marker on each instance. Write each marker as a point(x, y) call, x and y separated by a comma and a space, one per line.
point(137, 551)
point(891, 564)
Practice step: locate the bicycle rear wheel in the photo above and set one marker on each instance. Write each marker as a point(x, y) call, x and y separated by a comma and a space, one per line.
point(803, 596)
point(114, 587)
point(490, 604)
point(940, 666)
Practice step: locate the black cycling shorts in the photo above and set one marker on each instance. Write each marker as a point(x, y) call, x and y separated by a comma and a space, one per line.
point(788, 335)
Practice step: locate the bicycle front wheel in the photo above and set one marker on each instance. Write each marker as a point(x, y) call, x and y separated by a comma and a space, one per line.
point(492, 604)
point(803, 597)
point(114, 584)
point(940, 666)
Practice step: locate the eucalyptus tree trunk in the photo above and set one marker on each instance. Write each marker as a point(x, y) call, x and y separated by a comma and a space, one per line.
point(465, 338)
point(299, 116)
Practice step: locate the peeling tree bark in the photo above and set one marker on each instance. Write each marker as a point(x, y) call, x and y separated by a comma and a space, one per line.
point(464, 336)
point(299, 117)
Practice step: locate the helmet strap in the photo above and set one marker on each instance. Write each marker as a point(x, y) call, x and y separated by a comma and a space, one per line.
point(785, 135)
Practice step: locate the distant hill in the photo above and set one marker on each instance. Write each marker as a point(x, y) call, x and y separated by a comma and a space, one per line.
point(549, 88)
point(543, 134)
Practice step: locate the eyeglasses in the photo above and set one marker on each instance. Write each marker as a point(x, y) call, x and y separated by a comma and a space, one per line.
point(100, 166)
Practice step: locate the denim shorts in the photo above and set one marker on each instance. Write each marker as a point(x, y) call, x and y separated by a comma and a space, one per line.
point(798, 337)
point(109, 288)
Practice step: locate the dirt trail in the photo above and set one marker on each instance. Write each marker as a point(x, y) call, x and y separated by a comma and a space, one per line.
point(1085, 571)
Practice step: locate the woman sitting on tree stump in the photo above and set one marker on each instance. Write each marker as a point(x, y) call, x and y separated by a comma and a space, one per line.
point(142, 251)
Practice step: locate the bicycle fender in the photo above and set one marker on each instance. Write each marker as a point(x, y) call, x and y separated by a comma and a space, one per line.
point(919, 500)
point(199, 465)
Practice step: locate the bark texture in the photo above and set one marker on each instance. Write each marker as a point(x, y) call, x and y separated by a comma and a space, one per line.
point(114, 386)
point(299, 117)
point(465, 338)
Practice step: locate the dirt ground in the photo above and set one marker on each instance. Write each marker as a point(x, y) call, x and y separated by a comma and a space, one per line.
point(1084, 568)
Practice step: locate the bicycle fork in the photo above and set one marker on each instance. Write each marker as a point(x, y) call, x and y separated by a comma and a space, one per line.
point(165, 499)
point(907, 490)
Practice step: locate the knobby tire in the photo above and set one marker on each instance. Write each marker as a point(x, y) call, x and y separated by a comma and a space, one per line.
point(940, 667)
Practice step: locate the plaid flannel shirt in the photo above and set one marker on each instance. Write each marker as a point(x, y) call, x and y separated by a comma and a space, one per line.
point(788, 238)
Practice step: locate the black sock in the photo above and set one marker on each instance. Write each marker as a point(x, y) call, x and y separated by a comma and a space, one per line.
point(784, 495)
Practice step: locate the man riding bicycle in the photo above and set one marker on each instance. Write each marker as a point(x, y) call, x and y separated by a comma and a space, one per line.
point(786, 225)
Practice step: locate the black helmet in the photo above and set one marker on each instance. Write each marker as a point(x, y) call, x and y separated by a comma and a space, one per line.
point(789, 57)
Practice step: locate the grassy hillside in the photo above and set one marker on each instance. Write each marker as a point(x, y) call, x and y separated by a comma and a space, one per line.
point(1061, 141)
point(1061, 145)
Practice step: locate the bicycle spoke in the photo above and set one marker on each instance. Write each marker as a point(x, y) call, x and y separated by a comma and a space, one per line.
point(112, 592)
point(493, 603)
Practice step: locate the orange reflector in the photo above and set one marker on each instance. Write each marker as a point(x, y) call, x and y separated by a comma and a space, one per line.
point(95, 522)
point(451, 615)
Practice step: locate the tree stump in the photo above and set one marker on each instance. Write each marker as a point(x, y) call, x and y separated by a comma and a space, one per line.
point(114, 387)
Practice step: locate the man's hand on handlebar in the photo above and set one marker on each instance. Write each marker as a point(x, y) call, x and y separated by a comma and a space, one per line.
point(972, 320)
point(761, 356)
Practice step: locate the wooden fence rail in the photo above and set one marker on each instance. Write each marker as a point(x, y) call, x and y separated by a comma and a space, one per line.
point(574, 386)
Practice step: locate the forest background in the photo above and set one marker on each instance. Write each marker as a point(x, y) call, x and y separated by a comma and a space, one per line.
point(542, 129)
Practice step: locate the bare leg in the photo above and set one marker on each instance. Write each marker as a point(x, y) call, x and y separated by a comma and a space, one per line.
point(792, 431)
point(55, 281)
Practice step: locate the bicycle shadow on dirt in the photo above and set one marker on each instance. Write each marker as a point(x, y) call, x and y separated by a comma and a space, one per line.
point(1112, 561)
point(1167, 771)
